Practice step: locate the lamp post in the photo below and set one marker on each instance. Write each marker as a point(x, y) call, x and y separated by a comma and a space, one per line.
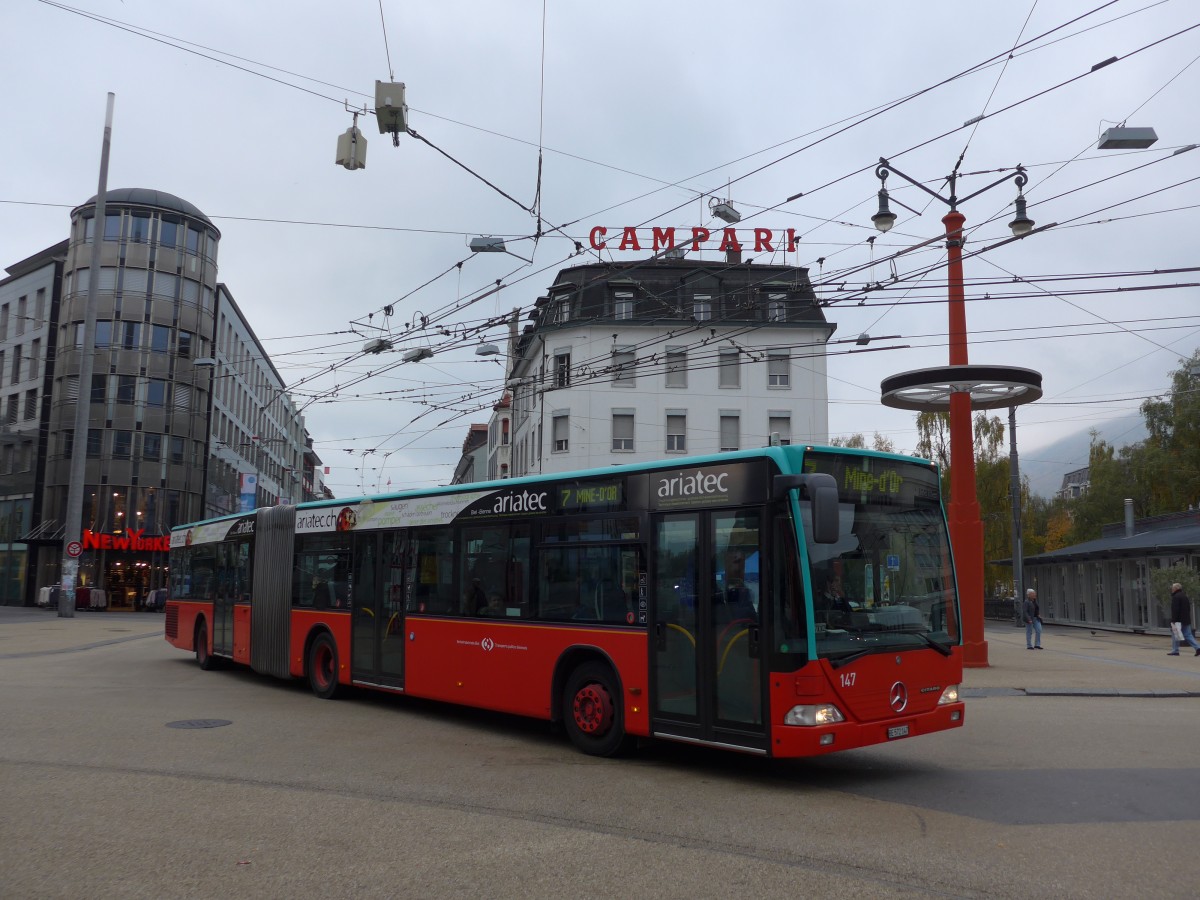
point(954, 387)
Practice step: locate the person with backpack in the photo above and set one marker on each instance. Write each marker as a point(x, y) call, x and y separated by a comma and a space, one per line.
point(1181, 620)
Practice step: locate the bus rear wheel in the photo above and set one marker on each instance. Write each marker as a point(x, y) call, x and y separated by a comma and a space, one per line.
point(205, 660)
point(592, 711)
point(323, 667)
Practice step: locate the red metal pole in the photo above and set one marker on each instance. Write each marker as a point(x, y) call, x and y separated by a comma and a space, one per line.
point(966, 528)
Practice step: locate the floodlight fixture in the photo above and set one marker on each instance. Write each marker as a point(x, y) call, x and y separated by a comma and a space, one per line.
point(352, 148)
point(390, 109)
point(1122, 138)
point(724, 211)
point(487, 245)
point(377, 345)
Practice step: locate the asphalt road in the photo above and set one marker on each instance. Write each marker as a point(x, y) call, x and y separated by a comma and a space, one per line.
point(377, 796)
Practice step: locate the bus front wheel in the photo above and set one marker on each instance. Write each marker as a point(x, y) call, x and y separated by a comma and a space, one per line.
point(592, 711)
point(204, 659)
point(323, 667)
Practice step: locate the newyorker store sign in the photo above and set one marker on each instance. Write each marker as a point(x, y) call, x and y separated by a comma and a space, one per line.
point(754, 240)
point(133, 540)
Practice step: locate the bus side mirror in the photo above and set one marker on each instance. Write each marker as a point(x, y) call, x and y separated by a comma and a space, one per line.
point(820, 489)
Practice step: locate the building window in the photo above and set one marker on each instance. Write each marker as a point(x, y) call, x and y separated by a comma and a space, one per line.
point(39, 307)
point(702, 307)
point(729, 372)
point(778, 370)
point(623, 305)
point(122, 444)
point(131, 333)
point(152, 447)
point(776, 307)
point(676, 368)
point(730, 432)
point(168, 233)
point(126, 388)
point(562, 311)
point(193, 240)
point(4, 322)
point(103, 339)
point(160, 338)
point(139, 227)
point(31, 404)
point(184, 350)
point(622, 431)
point(22, 307)
point(16, 364)
point(176, 449)
point(624, 362)
point(112, 227)
point(676, 432)
point(10, 413)
point(779, 424)
point(94, 442)
point(562, 369)
point(562, 428)
point(156, 393)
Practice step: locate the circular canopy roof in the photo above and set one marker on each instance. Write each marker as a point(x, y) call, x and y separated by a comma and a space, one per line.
point(148, 197)
point(990, 387)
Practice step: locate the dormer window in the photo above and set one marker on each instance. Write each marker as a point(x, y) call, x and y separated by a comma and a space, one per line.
point(623, 305)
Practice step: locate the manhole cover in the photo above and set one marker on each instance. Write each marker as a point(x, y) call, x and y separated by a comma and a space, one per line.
point(199, 723)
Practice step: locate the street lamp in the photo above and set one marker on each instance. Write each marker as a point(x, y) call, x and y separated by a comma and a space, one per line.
point(954, 387)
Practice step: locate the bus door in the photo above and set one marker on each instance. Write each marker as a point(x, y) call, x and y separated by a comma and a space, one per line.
point(377, 641)
point(706, 617)
point(225, 593)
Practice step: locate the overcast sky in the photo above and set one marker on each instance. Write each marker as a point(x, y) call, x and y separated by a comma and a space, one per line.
point(644, 112)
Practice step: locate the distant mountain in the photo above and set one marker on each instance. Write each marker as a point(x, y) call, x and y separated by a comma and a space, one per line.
point(1046, 466)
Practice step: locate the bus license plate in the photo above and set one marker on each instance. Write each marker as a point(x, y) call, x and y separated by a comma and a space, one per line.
point(897, 731)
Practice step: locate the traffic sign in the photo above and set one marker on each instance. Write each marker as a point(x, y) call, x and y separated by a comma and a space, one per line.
point(74, 548)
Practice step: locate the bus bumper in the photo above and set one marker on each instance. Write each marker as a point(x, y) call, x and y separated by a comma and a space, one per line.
point(797, 741)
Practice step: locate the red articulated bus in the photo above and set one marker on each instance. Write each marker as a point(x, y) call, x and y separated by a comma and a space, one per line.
point(787, 601)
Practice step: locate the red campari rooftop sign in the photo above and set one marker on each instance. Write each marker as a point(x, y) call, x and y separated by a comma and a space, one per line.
point(754, 240)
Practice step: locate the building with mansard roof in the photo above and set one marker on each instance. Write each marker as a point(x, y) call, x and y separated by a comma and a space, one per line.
point(633, 361)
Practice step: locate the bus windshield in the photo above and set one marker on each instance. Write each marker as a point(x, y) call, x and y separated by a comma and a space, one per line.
point(887, 583)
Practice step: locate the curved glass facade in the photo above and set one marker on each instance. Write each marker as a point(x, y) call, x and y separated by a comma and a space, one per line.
point(147, 439)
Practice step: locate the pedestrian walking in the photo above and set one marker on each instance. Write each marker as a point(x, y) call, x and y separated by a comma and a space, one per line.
point(1033, 621)
point(1181, 620)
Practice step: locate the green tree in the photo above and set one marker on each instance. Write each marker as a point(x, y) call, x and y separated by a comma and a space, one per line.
point(1162, 579)
point(1168, 466)
point(879, 442)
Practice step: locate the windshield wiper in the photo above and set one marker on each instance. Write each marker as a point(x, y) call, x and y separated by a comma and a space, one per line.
point(887, 648)
point(936, 645)
point(845, 660)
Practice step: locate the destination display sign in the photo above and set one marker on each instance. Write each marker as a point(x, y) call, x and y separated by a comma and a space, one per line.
point(591, 495)
point(869, 479)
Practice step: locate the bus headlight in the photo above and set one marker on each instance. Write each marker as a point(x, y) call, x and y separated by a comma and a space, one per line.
point(949, 695)
point(823, 714)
